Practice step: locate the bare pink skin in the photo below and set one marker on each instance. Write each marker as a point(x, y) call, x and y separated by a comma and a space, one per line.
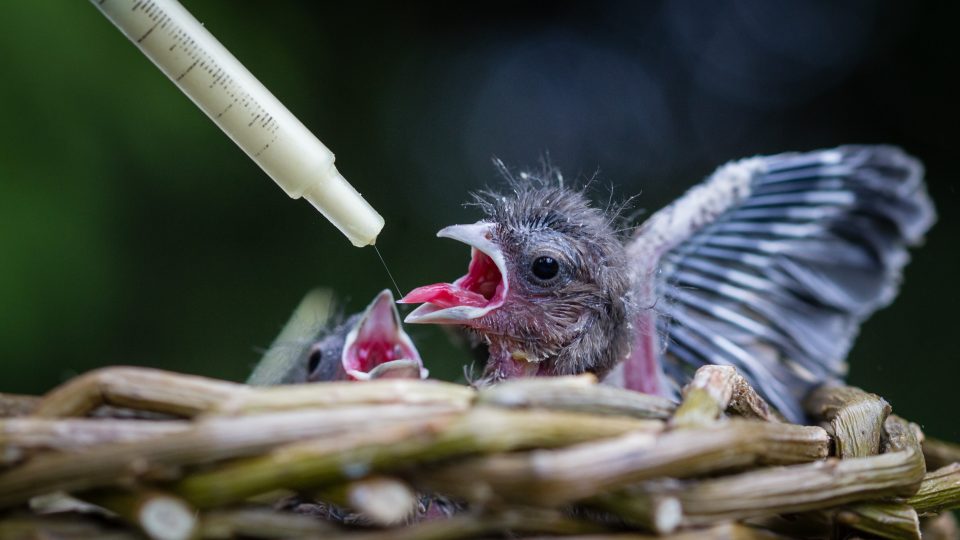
point(642, 370)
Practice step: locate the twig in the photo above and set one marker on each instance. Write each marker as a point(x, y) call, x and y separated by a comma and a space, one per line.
point(856, 418)
point(576, 394)
point(160, 516)
point(17, 404)
point(713, 390)
point(261, 523)
point(345, 394)
point(380, 499)
point(659, 514)
point(552, 442)
point(21, 436)
point(698, 409)
point(726, 531)
point(137, 388)
point(515, 521)
point(560, 476)
point(482, 430)
point(939, 491)
point(885, 520)
point(881, 519)
point(62, 527)
point(190, 395)
point(209, 440)
point(59, 502)
point(804, 487)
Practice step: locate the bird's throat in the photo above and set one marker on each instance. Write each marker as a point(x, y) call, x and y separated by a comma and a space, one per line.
point(507, 362)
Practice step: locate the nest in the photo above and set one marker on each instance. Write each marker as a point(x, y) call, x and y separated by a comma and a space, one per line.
point(131, 452)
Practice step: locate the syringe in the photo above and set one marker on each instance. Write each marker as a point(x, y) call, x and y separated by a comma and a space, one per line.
point(244, 109)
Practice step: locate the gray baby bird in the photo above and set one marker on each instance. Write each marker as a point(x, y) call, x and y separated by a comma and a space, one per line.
point(314, 347)
point(769, 265)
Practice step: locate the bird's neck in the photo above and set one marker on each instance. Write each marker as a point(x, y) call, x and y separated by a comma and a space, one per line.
point(507, 360)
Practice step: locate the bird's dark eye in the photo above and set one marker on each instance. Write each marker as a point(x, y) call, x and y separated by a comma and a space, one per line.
point(545, 268)
point(313, 362)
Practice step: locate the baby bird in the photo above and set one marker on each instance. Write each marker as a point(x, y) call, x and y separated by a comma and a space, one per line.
point(367, 345)
point(769, 265)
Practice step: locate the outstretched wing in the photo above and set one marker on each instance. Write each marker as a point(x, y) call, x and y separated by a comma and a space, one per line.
point(771, 265)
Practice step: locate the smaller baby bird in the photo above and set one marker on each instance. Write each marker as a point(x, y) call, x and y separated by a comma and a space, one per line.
point(769, 265)
point(367, 345)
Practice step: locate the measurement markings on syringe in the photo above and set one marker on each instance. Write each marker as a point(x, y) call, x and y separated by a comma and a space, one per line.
point(259, 117)
point(157, 21)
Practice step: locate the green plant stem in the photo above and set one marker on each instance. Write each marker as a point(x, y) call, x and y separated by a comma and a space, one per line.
point(939, 491)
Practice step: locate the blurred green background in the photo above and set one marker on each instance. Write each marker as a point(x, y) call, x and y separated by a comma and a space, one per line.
point(133, 232)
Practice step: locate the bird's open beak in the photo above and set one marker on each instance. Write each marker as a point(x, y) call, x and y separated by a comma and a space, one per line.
point(378, 348)
point(477, 293)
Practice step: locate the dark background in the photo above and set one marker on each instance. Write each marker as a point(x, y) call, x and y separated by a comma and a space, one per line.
point(133, 232)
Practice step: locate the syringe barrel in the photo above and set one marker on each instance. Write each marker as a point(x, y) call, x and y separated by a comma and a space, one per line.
point(244, 109)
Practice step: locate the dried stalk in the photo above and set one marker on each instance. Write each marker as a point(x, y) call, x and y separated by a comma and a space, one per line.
point(262, 523)
point(62, 527)
point(878, 519)
point(727, 531)
point(482, 430)
point(939, 491)
point(577, 394)
point(856, 418)
point(561, 476)
point(885, 520)
point(820, 525)
point(698, 409)
point(17, 405)
point(334, 437)
point(303, 466)
point(514, 522)
point(190, 395)
point(137, 388)
point(346, 394)
point(59, 502)
point(209, 440)
point(380, 499)
point(159, 515)
point(804, 487)
point(19, 437)
point(940, 453)
point(661, 515)
point(746, 402)
point(715, 389)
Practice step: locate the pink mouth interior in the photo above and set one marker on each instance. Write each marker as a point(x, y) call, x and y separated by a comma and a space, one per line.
point(379, 340)
point(366, 354)
point(481, 287)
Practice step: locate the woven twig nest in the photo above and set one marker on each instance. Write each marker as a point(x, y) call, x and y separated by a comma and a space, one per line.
point(125, 452)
